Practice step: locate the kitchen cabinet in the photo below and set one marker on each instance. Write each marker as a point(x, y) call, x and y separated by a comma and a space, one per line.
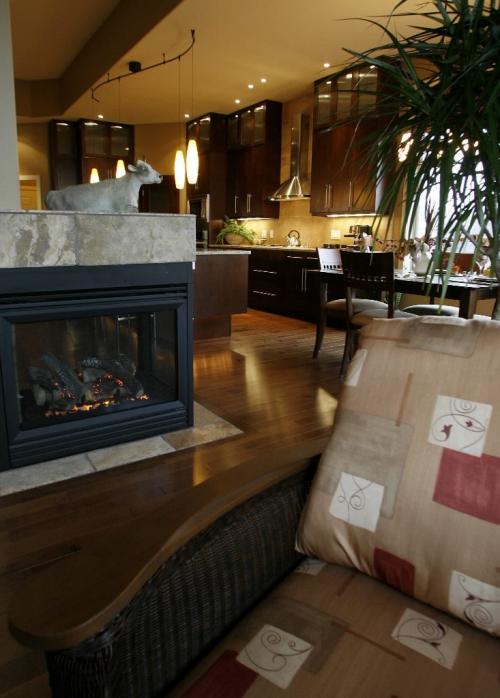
point(254, 161)
point(278, 282)
point(340, 176)
point(159, 198)
point(346, 95)
point(64, 148)
point(102, 144)
point(76, 147)
point(209, 131)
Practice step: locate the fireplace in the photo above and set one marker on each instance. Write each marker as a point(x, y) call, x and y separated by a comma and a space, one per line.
point(92, 356)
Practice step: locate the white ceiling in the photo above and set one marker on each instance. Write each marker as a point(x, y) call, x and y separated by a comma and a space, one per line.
point(237, 42)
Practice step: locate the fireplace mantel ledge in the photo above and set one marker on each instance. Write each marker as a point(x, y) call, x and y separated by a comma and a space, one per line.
point(67, 238)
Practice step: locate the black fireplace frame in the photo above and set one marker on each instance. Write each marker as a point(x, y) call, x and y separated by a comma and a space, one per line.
point(46, 293)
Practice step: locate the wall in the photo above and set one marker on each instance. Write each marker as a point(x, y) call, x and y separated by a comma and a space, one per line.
point(9, 181)
point(33, 153)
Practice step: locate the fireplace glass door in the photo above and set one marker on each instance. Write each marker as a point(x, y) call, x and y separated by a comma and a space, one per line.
point(72, 368)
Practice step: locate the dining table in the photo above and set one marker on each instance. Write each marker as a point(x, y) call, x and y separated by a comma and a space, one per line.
point(465, 289)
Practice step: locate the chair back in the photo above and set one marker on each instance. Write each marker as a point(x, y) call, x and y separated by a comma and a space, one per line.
point(372, 272)
point(329, 259)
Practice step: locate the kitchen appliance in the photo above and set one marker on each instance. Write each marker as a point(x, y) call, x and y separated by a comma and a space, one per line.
point(297, 186)
point(199, 206)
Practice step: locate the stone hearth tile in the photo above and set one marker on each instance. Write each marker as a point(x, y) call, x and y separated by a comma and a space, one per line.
point(203, 416)
point(121, 454)
point(198, 435)
point(26, 478)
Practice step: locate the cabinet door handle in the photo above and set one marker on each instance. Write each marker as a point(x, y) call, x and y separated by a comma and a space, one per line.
point(326, 195)
point(236, 197)
point(249, 203)
point(302, 280)
point(350, 193)
point(291, 256)
point(264, 293)
point(264, 271)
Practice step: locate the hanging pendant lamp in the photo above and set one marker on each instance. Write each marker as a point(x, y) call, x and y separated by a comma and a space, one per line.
point(192, 162)
point(120, 169)
point(192, 158)
point(179, 162)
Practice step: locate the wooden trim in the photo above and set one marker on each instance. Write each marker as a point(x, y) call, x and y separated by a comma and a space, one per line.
point(79, 595)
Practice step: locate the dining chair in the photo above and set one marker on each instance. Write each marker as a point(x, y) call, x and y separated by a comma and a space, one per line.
point(366, 272)
point(330, 260)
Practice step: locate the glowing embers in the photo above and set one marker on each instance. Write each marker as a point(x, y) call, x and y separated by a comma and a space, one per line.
point(61, 390)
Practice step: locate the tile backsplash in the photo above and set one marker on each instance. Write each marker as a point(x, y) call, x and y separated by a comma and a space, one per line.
point(314, 230)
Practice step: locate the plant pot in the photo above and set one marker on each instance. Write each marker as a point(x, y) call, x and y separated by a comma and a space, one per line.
point(234, 239)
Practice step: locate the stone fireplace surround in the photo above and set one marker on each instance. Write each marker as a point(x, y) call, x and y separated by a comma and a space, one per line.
point(48, 259)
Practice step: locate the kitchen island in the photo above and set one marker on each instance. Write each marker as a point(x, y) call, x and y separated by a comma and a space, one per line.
point(220, 281)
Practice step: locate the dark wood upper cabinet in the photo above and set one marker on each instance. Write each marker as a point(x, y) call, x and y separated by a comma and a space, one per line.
point(345, 117)
point(64, 148)
point(76, 147)
point(159, 198)
point(102, 144)
point(209, 132)
point(254, 161)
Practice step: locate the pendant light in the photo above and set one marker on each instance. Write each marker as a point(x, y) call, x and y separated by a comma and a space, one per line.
point(120, 164)
point(179, 163)
point(94, 175)
point(120, 169)
point(192, 158)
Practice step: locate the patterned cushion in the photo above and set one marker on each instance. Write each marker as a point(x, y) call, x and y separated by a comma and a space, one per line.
point(408, 489)
point(331, 632)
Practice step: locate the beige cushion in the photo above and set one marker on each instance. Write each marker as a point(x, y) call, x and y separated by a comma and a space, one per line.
point(362, 646)
point(359, 305)
point(408, 489)
point(363, 318)
point(431, 309)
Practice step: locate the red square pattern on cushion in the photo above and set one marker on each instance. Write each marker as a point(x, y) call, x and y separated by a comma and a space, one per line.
point(469, 484)
point(395, 571)
point(225, 678)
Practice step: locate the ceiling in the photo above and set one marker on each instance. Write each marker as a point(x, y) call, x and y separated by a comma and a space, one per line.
point(237, 42)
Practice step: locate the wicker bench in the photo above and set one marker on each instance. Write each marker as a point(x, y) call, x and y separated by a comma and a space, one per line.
point(162, 607)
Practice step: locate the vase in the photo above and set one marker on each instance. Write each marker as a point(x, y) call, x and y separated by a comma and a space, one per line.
point(234, 239)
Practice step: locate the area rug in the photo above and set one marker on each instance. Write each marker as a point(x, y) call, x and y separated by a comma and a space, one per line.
point(207, 427)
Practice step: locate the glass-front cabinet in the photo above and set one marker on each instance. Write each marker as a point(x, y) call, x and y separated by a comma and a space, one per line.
point(345, 95)
point(345, 117)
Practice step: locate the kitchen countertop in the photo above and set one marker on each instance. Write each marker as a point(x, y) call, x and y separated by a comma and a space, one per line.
point(222, 251)
point(228, 248)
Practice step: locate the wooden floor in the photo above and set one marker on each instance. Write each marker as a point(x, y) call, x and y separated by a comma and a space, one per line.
point(262, 379)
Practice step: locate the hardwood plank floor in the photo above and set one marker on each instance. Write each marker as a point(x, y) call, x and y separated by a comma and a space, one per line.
point(262, 379)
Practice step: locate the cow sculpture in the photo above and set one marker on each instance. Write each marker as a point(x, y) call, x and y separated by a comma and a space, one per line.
point(109, 196)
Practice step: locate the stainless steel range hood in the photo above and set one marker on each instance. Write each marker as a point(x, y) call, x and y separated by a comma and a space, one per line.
point(296, 187)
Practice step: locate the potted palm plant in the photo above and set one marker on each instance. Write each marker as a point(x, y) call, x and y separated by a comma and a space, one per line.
point(234, 233)
point(441, 106)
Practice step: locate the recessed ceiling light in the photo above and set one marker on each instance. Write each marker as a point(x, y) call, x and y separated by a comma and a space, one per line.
point(263, 79)
point(237, 101)
point(328, 82)
point(326, 65)
point(100, 116)
point(250, 86)
point(186, 116)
